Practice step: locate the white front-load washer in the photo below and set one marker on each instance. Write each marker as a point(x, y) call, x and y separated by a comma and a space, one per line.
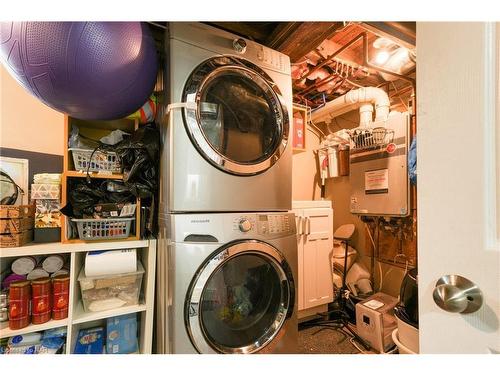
point(227, 284)
point(226, 134)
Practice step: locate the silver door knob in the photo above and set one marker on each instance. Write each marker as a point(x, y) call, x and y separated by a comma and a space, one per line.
point(454, 293)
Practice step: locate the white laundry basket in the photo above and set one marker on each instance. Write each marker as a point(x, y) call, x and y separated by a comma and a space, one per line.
point(401, 348)
point(408, 335)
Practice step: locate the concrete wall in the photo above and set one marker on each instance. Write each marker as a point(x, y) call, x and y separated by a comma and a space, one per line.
point(25, 122)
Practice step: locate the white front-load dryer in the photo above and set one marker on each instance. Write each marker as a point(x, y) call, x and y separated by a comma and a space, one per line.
point(230, 284)
point(226, 134)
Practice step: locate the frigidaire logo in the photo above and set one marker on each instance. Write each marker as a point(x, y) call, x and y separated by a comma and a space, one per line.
point(201, 221)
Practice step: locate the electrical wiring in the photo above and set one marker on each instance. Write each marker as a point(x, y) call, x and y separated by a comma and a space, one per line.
point(399, 96)
point(315, 127)
point(378, 263)
point(312, 130)
point(353, 342)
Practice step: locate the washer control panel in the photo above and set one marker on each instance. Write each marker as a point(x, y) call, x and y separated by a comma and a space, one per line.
point(244, 223)
point(274, 224)
point(269, 225)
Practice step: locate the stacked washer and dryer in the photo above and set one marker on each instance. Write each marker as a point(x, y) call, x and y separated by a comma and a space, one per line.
point(227, 257)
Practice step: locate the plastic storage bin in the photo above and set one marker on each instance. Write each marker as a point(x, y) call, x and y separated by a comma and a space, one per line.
point(402, 349)
point(101, 293)
point(102, 229)
point(102, 161)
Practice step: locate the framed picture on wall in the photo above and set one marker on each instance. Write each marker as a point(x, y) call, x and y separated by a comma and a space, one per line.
point(14, 180)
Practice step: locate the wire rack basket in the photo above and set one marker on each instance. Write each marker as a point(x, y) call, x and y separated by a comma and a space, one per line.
point(99, 161)
point(368, 138)
point(102, 229)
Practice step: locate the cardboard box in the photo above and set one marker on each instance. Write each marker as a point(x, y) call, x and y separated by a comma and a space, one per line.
point(122, 334)
point(90, 341)
point(16, 211)
point(44, 235)
point(47, 213)
point(16, 239)
point(16, 225)
point(45, 191)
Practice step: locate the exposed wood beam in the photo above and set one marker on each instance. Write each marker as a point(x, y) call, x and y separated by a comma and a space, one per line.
point(302, 39)
point(257, 31)
point(281, 33)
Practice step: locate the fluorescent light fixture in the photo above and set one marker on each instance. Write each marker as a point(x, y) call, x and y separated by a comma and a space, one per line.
point(382, 57)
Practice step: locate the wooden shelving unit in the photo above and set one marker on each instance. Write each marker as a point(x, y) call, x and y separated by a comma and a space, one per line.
point(77, 317)
point(94, 130)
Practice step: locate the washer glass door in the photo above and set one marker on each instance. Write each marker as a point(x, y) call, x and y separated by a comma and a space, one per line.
point(238, 122)
point(240, 300)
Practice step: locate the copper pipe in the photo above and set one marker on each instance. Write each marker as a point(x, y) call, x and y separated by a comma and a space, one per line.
point(401, 91)
point(332, 56)
point(318, 84)
point(366, 63)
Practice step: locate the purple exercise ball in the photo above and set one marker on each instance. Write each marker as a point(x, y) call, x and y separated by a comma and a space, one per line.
point(88, 70)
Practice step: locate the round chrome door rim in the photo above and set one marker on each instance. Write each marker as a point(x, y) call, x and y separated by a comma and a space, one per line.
point(192, 94)
point(193, 299)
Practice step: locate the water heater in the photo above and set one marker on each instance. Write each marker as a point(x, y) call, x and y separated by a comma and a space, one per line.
point(379, 175)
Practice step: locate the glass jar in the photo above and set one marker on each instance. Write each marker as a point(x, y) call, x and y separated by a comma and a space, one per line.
point(19, 304)
point(60, 300)
point(41, 300)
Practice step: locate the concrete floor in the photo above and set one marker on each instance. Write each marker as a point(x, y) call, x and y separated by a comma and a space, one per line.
point(323, 340)
point(327, 340)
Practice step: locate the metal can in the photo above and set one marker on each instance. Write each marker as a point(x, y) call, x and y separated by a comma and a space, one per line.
point(19, 304)
point(4, 314)
point(41, 298)
point(4, 298)
point(60, 301)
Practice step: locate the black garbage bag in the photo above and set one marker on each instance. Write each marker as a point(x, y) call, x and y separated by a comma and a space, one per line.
point(83, 195)
point(140, 155)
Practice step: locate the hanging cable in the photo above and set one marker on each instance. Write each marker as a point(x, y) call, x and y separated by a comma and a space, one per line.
point(399, 96)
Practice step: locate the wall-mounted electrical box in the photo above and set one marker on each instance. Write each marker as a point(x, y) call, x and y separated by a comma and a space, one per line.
point(379, 175)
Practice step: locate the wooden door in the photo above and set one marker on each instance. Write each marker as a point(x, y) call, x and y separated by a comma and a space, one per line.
point(458, 184)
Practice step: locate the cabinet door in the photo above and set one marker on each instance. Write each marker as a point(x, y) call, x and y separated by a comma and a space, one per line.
point(299, 223)
point(317, 252)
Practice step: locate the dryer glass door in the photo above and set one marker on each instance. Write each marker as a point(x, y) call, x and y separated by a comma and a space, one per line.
point(240, 299)
point(239, 122)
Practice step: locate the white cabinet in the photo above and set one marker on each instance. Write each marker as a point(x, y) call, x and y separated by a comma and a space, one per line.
point(315, 243)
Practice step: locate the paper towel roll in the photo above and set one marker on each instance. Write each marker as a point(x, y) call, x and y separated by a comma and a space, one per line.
point(333, 167)
point(112, 262)
point(53, 263)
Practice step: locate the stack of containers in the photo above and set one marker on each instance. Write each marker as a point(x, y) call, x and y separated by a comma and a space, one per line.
point(46, 196)
point(16, 225)
point(36, 291)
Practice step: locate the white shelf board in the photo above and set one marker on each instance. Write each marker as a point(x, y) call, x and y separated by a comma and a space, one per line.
point(5, 331)
point(81, 316)
point(58, 247)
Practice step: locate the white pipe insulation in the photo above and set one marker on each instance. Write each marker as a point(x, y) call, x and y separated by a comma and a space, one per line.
point(364, 98)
